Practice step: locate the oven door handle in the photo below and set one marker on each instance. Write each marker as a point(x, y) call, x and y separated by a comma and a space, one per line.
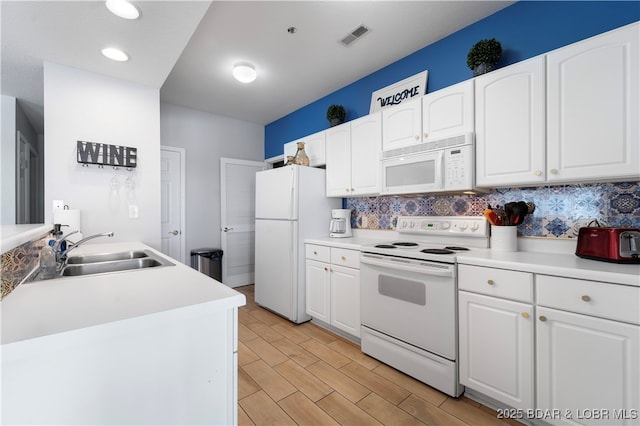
point(407, 265)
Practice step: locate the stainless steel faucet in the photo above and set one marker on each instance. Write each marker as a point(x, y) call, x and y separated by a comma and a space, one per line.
point(61, 256)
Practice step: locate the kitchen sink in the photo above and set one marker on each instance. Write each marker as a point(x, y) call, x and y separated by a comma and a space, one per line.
point(112, 266)
point(106, 257)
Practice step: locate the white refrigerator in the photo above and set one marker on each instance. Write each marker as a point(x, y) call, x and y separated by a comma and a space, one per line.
point(291, 205)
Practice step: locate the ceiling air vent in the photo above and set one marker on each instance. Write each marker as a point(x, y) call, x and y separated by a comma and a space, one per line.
point(354, 35)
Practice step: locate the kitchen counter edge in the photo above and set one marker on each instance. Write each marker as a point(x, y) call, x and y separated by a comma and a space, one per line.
point(42, 308)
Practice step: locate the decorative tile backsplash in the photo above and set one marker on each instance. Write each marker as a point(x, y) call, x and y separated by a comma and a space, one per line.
point(560, 210)
point(18, 262)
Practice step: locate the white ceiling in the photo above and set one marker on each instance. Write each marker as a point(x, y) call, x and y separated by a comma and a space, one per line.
point(293, 69)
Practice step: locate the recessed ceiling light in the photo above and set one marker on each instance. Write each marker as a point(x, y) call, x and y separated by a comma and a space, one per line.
point(244, 73)
point(123, 9)
point(115, 54)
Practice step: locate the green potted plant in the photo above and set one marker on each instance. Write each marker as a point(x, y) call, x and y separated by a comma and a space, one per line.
point(336, 114)
point(484, 55)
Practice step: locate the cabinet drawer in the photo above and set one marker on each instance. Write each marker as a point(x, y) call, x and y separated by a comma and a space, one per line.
point(613, 301)
point(496, 282)
point(319, 253)
point(345, 257)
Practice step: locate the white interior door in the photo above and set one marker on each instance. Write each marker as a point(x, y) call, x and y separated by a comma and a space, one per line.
point(237, 219)
point(172, 213)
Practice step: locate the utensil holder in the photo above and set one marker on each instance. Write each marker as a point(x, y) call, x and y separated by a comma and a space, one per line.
point(504, 238)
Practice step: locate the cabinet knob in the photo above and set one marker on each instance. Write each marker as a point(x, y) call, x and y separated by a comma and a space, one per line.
point(425, 135)
point(417, 137)
point(343, 258)
point(586, 298)
point(325, 268)
point(490, 282)
point(330, 269)
point(543, 318)
point(554, 171)
point(537, 173)
point(525, 314)
point(347, 189)
point(315, 252)
point(352, 189)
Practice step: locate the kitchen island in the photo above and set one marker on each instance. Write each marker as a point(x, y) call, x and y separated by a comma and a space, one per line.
point(155, 346)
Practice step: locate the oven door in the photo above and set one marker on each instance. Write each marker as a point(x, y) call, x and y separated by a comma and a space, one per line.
point(410, 300)
point(417, 173)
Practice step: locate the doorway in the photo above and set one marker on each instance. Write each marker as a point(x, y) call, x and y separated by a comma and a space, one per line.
point(172, 202)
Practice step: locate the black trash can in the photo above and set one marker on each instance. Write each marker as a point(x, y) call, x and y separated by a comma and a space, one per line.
point(208, 261)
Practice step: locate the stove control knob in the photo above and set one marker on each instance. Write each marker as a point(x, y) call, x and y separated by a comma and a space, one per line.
point(475, 226)
point(446, 225)
point(463, 226)
point(412, 224)
point(404, 224)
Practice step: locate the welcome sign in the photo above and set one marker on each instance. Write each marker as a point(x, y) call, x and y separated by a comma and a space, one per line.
point(399, 92)
point(107, 155)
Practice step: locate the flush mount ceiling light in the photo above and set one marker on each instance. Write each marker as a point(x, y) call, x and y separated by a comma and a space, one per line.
point(115, 54)
point(244, 73)
point(123, 9)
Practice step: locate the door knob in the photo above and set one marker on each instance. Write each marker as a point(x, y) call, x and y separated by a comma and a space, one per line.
point(227, 229)
point(174, 232)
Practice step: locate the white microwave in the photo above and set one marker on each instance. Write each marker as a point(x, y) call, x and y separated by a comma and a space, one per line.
point(445, 165)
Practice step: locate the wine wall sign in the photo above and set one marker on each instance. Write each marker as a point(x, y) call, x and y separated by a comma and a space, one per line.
point(103, 154)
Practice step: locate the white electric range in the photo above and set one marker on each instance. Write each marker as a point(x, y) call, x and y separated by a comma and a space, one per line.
point(408, 296)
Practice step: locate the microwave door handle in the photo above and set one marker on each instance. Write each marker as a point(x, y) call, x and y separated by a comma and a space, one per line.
point(402, 266)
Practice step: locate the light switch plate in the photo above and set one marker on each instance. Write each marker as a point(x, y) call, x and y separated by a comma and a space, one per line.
point(58, 204)
point(133, 212)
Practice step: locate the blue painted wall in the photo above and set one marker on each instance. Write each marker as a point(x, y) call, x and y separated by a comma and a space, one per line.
point(525, 29)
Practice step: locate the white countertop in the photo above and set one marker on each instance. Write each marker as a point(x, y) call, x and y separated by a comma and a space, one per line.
point(53, 306)
point(11, 236)
point(556, 261)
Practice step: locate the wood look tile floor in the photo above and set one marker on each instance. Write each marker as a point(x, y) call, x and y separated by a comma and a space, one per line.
point(292, 374)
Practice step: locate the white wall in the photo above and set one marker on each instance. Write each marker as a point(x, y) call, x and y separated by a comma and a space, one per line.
point(205, 138)
point(8, 161)
point(79, 105)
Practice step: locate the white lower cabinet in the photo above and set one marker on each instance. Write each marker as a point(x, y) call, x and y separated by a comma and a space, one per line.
point(588, 366)
point(586, 356)
point(496, 334)
point(333, 287)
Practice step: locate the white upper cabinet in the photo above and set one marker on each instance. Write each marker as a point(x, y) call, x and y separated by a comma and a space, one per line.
point(448, 112)
point(593, 113)
point(314, 147)
point(402, 125)
point(510, 125)
point(353, 157)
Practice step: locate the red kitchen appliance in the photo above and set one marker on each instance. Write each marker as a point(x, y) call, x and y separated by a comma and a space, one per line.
point(618, 245)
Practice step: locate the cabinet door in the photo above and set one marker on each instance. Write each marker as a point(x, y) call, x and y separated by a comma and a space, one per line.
point(318, 290)
point(345, 299)
point(510, 125)
point(314, 146)
point(593, 91)
point(338, 155)
point(366, 144)
point(587, 363)
point(448, 112)
point(402, 125)
point(496, 348)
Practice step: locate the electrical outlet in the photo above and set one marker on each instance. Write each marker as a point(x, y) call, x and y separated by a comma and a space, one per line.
point(58, 204)
point(133, 212)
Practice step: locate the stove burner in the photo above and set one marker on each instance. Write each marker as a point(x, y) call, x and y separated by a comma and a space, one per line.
point(436, 251)
point(456, 248)
point(386, 246)
point(405, 244)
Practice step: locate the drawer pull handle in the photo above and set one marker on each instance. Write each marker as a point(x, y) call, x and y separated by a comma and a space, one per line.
point(543, 318)
point(491, 282)
point(586, 298)
point(343, 258)
point(525, 314)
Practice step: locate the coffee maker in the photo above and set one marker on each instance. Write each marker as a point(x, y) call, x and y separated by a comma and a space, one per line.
point(340, 226)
